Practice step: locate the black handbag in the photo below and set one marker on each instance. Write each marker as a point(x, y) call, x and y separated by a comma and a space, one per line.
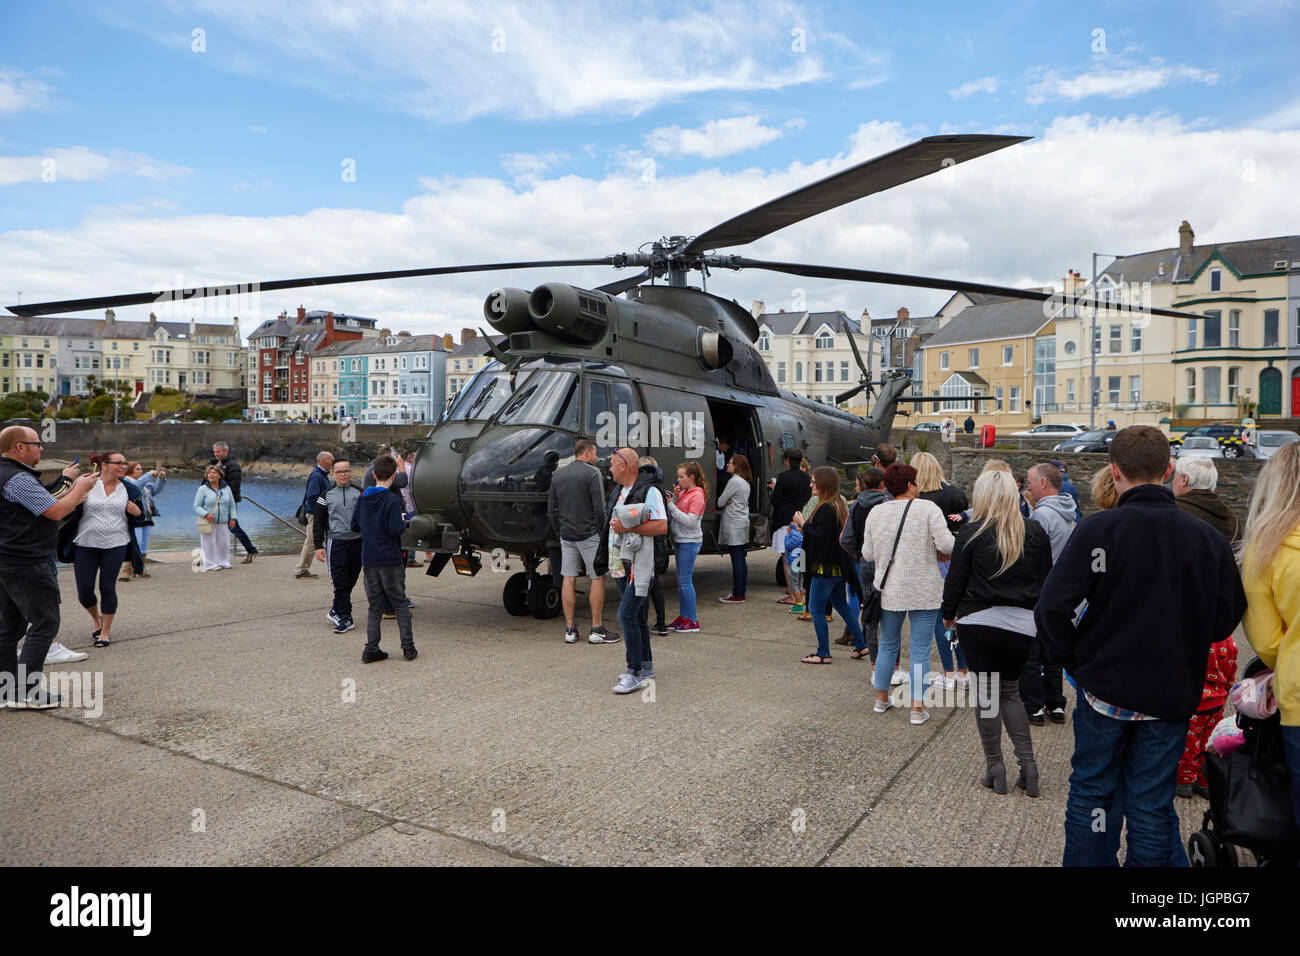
point(871, 602)
point(1250, 795)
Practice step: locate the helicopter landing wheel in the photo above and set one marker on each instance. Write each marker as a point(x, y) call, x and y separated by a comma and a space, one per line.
point(780, 572)
point(515, 594)
point(543, 598)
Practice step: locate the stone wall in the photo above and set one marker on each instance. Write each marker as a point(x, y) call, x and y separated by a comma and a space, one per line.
point(190, 445)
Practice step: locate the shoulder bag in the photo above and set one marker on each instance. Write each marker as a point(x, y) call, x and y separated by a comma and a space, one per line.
point(871, 602)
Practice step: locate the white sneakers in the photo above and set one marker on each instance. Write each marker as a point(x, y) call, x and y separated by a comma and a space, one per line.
point(58, 654)
point(899, 678)
point(919, 717)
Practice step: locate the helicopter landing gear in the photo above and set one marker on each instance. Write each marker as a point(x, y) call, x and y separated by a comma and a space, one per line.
point(528, 592)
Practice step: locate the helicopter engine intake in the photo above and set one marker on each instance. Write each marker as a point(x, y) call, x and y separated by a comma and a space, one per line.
point(572, 314)
point(506, 310)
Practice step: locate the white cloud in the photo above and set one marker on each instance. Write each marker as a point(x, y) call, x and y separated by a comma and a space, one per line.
point(987, 84)
point(1114, 83)
point(81, 163)
point(20, 92)
point(716, 138)
point(531, 165)
point(545, 58)
point(1021, 216)
point(1284, 117)
point(258, 129)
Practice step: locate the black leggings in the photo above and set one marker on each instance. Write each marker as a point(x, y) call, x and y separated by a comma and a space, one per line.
point(991, 650)
point(105, 562)
point(657, 599)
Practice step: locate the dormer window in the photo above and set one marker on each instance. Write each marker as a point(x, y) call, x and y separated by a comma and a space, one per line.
point(1216, 279)
point(825, 341)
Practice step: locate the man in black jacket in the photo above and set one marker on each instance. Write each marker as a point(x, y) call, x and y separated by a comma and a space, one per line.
point(233, 475)
point(1161, 587)
point(790, 492)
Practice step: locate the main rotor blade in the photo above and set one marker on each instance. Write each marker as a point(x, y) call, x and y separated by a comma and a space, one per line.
point(622, 285)
point(952, 285)
point(173, 295)
point(903, 165)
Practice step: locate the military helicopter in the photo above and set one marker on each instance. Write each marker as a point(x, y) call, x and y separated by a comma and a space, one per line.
point(669, 368)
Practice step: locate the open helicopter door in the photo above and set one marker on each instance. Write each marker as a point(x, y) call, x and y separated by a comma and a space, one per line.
point(739, 424)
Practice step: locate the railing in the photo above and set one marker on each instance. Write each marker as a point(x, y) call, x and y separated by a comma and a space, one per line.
point(288, 524)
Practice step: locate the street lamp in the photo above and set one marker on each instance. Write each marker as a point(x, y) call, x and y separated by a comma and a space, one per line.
point(1094, 387)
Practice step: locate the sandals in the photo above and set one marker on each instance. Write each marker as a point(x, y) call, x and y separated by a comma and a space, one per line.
point(787, 600)
point(96, 638)
point(814, 659)
point(862, 655)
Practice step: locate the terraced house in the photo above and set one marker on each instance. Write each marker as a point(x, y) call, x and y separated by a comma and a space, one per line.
point(280, 382)
point(29, 354)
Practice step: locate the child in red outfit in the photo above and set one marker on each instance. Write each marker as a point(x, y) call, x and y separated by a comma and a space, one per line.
point(1220, 674)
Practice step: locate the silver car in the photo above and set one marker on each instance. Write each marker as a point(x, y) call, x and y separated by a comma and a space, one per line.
point(1268, 442)
point(1200, 446)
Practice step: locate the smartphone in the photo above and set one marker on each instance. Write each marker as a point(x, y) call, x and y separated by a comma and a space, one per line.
point(77, 459)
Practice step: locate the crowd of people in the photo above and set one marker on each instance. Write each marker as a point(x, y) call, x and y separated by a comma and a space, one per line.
point(1018, 594)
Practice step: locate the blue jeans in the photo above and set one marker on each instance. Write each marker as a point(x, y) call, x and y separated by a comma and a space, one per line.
point(142, 538)
point(739, 571)
point(687, 552)
point(1122, 770)
point(945, 652)
point(633, 618)
point(891, 637)
point(830, 590)
point(242, 538)
point(1291, 741)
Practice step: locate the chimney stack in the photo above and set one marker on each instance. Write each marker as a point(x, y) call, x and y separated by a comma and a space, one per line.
point(109, 316)
point(153, 321)
point(903, 313)
point(757, 308)
point(866, 314)
point(466, 335)
point(448, 341)
point(1185, 239)
point(302, 315)
point(329, 321)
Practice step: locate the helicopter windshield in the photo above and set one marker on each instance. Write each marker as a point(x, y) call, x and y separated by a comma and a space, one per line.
point(483, 396)
point(546, 398)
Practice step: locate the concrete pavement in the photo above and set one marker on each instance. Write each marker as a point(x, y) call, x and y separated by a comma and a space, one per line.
point(237, 728)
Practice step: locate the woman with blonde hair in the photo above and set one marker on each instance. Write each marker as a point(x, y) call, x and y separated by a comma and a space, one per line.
point(1104, 495)
point(998, 568)
point(951, 501)
point(1270, 573)
point(830, 572)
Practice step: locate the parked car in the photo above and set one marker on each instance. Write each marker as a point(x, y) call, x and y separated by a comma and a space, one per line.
point(927, 427)
point(171, 421)
point(1201, 446)
point(1267, 443)
point(232, 421)
point(1228, 435)
point(1098, 440)
point(1050, 431)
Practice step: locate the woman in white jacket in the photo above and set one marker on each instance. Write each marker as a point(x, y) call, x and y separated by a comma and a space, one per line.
point(914, 588)
point(733, 530)
point(214, 503)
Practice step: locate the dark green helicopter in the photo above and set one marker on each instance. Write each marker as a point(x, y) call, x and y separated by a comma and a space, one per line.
point(669, 369)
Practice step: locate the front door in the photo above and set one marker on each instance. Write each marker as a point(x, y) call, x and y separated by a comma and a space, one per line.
point(1295, 394)
point(1270, 392)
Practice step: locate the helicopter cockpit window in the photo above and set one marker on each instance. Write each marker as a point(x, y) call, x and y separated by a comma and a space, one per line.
point(484, 395)
point(544, 398)
point(597, 406)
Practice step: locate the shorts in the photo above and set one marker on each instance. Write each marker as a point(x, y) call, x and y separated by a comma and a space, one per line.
point(778, 539)
point(575, 554)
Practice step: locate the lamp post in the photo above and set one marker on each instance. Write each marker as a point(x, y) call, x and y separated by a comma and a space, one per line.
point(1094, 387)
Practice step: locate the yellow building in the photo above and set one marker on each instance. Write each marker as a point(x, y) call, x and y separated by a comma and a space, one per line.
point(28, 358)
point(1001, 348)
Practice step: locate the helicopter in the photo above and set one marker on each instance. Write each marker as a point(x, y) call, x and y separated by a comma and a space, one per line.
point(666, 367)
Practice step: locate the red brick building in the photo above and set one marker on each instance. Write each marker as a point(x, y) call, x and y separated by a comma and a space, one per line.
point(279, 374)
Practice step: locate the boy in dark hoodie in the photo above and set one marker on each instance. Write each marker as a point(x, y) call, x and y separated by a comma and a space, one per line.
point(378, 516)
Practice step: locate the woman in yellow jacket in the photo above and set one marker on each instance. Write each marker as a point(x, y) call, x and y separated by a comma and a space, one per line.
point(1270, 572)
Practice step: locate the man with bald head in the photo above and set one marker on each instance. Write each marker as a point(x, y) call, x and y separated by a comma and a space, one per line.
point(29, 587)
point(624, 551)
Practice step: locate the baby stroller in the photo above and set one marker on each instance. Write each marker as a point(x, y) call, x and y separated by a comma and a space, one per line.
point(1250, 799)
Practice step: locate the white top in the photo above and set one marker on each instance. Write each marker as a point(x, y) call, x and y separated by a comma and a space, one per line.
point(1018, 620)
point(103, 519)
point(914, 583)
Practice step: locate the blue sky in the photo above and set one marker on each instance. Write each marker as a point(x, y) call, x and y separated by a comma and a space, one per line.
point(483, 131)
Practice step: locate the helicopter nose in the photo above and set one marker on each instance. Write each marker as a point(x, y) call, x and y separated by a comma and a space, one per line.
point(505, 482)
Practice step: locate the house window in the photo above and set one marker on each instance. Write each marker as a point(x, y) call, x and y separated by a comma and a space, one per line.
point(1234, 385)
point(1213, 333)
point(1191, 333)
point(844, 371)
point(1213, 382)
point(1270, 328)
point(798, 371)
point(1112, 389)
point(817, 371)
point(1234, 328)
point(974, 358)
point(1216, 279)
point(997, 398)
point(825, 341)
point(1007, 352)
point(1116, 339)
point(1069, 392)
point(1070, 348)
point(780, 373)
point(943, 361)
point(1096, 339)
point(1015, 399)
point(1135, 344)
point(1191, 386)
point(764, 344)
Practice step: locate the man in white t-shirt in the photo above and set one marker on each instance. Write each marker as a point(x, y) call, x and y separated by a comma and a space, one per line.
point(634, 592)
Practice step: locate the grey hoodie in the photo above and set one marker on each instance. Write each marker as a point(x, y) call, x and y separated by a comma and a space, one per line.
point(868, 499)
point(1056, 514)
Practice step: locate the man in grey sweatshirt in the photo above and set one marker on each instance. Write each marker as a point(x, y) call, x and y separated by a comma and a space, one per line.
point(576, 509)
point(1042, 687)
